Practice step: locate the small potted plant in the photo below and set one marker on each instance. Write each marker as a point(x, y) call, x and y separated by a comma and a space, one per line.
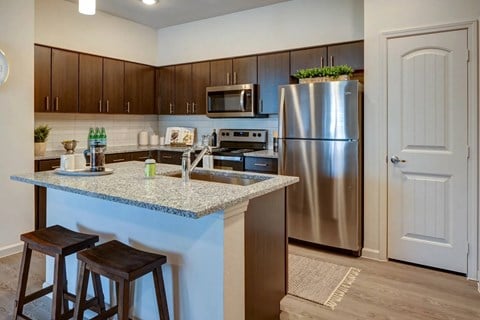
point(333, 73)
point(40, 135)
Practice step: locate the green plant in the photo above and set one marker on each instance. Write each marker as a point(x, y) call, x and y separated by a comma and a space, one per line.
point(334, 72)
point(41, 132)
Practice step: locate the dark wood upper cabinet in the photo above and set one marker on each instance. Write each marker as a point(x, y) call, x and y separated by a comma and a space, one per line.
point(90, 84)
point(113, 84)
point(233, 71)
point(347, 53)
point(43, 72)
point(165, 83)
point(244, 70)
point(64, 81)
point(273, 70)
point(308, 58)
point(200, 82)
point(139, 88)
point(183, 88)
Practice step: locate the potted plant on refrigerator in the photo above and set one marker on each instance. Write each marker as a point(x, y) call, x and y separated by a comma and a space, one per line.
point(40, 135)
point(330, 73)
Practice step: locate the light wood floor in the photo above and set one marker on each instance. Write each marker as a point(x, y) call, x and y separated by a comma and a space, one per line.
point(390, 290)
point(383, 290)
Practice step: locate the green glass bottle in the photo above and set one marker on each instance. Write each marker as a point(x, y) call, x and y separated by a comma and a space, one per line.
point(103, 137)
point(91, 137)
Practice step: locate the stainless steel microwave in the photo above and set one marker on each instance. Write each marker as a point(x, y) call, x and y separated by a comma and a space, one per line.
point(232, 101)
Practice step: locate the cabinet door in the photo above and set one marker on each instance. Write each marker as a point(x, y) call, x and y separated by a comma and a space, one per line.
point(139, 88)
point(308, 58)
point(165, 90)
point(244, 70)
point(200, 82)
point(64, 81)
point(90, 84)
point(113, 83)
point(220, 72)
point(117, 157)
point(170, 157)
point(183, 88)
point(140, 155)
point(43, 72)
point(347, 53)
point(265, 165)
point(273, 70)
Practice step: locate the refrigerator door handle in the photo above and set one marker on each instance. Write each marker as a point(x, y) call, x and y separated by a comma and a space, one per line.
point(281, 113)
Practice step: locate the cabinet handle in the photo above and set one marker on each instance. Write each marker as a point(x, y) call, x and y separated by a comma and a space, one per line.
point(118, 160)
point(142, 158)
point(56, 103)
point(321, 61)
point(171, 108)
point(108, 105)
point(331, 61)
point(166, 157)
point(260, 164)
point(47, 103)
point(193, 107)
point(55, 167)
point(260, 102)
point(128, 107)
point(188, 107)
point(234, 77)
point(228, 78)
point(100, 105)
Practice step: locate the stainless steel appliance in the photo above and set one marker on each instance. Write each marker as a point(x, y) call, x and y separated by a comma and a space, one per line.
point(320, 141)
point(234, 143)
point(232, 101)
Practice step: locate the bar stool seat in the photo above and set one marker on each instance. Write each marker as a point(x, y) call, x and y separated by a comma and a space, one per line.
point(58, 242)
point(122, 264)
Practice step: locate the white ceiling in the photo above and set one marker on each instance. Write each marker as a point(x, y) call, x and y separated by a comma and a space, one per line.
point(172, 12)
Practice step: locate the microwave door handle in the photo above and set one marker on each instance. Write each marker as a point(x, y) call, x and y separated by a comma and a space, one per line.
point(242, 100)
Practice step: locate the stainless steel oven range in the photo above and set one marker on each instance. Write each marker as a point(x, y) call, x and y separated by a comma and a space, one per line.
point(234, 143)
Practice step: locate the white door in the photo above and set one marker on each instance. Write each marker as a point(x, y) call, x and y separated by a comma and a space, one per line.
point(427, 131)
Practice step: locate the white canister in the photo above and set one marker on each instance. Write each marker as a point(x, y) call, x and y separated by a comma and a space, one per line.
point(162, 141)
point(143, 138)
point(207, 162)
point(154, 139)
point(67, 162)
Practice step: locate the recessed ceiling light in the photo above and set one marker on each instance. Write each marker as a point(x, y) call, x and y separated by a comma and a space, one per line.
point(150, 2)
point(86, 7)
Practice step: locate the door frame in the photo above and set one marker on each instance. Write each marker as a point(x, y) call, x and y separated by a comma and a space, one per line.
point(473, 215)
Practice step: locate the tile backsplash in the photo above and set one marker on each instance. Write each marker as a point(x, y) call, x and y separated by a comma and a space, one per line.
point(122, 130)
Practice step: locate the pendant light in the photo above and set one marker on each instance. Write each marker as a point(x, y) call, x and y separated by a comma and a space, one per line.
point(150, 2)
point(86, 7)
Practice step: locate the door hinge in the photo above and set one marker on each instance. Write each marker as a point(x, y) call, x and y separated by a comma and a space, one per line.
point(468, 55)
point(468, 248)
point(468, 152)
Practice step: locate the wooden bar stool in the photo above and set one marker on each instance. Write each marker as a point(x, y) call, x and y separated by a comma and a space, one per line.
point(122, 264)
point(58, 242)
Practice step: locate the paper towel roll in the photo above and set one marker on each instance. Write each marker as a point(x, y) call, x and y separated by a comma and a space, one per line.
point(143, 138)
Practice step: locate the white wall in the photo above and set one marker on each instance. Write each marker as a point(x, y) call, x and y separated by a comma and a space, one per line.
point(58, 24)
point(381, 16)
point(16, 122)
point(287, 25)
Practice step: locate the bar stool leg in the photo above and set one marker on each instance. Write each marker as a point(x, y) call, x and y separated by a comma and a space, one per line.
point(97, 288)
point(65, 306)
point(81, 292)
point(22, 281)
point(57, 294)
point(160, 293)
point(123, 300)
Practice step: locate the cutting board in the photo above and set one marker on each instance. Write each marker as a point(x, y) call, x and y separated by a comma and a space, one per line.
point(179, 136)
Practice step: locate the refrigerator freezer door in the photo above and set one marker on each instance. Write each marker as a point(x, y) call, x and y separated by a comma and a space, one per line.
point(325, 206)
point(325, 110)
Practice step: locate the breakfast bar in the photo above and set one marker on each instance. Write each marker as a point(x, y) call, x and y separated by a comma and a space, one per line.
point(225, 238)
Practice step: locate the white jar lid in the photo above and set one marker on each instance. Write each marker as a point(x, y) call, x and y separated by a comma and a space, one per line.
point(148, 161)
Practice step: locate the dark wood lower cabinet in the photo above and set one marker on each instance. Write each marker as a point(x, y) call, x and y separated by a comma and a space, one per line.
point(263, 165)
point(41, 193)
point(266, 254)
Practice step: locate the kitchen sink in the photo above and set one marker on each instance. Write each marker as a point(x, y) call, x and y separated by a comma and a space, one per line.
point(230, 178)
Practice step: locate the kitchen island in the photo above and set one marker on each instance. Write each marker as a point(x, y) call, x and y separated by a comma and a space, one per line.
point(226, 244)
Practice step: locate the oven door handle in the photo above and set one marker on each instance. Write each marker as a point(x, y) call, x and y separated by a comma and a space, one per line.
point(228, 158)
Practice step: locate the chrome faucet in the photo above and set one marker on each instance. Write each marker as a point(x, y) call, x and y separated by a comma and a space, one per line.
point(187, 168)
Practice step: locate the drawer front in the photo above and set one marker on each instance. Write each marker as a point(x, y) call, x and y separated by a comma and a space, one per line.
point(140, 156)
point(117, 157)
point(170, 157)
point(45, 165)
point(265, 165)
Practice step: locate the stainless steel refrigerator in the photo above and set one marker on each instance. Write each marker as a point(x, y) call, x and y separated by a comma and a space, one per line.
point(320, 141)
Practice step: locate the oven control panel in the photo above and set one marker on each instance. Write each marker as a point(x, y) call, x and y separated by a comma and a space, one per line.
point(243, 135)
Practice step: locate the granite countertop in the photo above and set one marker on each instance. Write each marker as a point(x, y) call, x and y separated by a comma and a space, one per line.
point(164, 193)
point(262, 154)
point(55, 154)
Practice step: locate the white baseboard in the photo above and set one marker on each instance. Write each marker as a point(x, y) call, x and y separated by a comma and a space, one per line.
point(371, 254)
point(11, 249)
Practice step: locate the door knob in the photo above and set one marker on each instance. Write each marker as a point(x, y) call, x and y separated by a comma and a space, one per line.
point(396, 159)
